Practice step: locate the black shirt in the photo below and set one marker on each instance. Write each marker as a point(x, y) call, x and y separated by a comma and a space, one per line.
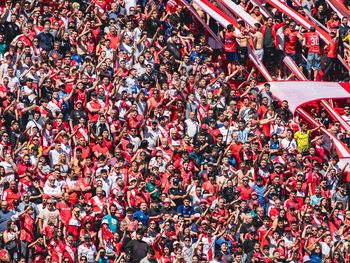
point(152, 25)
point(46, 41)
point(76, 115)
point(11, 30)
point(177, 191)
point(137, 249)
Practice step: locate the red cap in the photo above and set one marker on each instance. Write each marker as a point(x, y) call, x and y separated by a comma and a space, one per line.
point(46, 196)
point(204, 126)
point(203, 201)
point(3, 252)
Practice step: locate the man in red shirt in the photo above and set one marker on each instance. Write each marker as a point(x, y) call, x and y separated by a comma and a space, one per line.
point(230, 47)
point(99, 149)
point(94, 108)
point(332, 65)
point(312, 42)
point(291, 37)
point(11, 194)
point(65, 209)
point(244, 189)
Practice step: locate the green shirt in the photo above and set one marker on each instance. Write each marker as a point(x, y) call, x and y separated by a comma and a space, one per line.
point(150, 188)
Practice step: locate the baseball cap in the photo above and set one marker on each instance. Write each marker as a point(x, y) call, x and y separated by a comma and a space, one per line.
point(205, 222)
point(203, 201)
point(167, 200)
point(204, 126)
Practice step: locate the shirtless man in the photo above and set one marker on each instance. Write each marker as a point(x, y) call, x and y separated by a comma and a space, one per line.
point(255, 13)
point(258, 41)
point(243, 43)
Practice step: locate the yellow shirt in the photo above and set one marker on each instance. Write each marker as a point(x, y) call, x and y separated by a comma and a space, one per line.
point(303, 140)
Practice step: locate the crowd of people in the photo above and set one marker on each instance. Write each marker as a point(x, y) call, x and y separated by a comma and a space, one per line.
point(128, 133)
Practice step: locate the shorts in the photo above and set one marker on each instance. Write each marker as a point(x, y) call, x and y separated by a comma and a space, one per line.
point(231, 56)
point(292, 56)
point(259, 53)
point(243, 55)
point(313, 59)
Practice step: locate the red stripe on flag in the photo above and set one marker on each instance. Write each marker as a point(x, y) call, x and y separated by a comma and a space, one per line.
point(346, 86)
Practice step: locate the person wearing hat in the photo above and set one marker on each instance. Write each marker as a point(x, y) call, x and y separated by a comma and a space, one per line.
point(168, 207)
point(77, 113)
point(87, 249)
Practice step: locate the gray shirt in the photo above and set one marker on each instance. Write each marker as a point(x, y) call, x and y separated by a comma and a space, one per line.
point(5, 217)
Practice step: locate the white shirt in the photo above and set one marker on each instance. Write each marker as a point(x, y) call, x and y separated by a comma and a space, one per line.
point(51, 190)
point(13, 83)
point(67, 150)
point(151, 136)
point(325, 249)
point(89, 252)
point(289, 144)
point(346, 118)
point(227, 133)
point(55, 156)
point(191, 127)
point(33, 123)
point(135, 141)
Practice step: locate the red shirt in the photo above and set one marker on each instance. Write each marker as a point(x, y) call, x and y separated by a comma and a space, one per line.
point(73, 227)
point(230, 44)
point(100, 149)
point(27, 228)
point(313, 42)
point(93, 117)
point(244, 192)
point(10, 195)
point(49, 231)
point(333, 47)
point(290, 41)
point(65, 211)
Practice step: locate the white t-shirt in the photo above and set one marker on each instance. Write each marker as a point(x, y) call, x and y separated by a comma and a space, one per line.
point(55, 156)
point(289, 145)
point(151, 136)
point(89, 252)
point(192, 127)
point(326, 250)
point(227, 133)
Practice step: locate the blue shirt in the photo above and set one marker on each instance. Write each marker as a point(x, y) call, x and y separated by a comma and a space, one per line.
point(45, 41)
point(141, 217)
point(260, 190)
point(316, 200)
point(193, 56)
point(222, 240)
point(112, 222)
point(103, 260)
point(5, 217)
point(315, 258)
point(185, 211)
